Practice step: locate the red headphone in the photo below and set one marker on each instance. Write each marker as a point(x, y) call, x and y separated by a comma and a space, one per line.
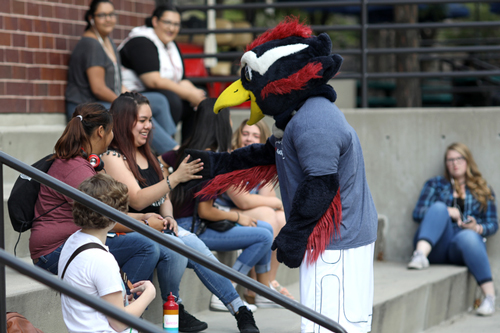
point(94, 160)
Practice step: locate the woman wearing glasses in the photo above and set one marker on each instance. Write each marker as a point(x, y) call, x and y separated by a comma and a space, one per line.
point(94, 74)
point(455, 213)
point(151, 61)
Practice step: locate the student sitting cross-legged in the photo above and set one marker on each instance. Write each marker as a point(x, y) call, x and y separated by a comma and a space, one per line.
point(95, 270)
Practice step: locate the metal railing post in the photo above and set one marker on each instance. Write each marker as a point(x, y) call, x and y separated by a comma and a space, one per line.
point(364, 57)
point(3, 307)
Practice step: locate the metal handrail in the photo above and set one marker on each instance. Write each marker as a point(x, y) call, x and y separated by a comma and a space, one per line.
point(363, 27)
point(158, 237)
point(63, 287)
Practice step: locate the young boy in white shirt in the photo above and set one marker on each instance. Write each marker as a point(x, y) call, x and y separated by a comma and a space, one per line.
point(95, 270)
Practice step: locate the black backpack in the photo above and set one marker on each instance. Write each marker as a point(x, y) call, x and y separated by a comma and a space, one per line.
point(21, 203)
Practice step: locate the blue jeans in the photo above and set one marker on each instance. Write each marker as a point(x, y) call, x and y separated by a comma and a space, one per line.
point(140, 265)
point(138, 256)
point(50, 261)
point(217, 284)
point(254, 241)
point(453, 245)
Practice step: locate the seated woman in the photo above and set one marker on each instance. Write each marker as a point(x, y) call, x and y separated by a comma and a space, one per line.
point(455, 213)
point(254, 237)
point(152, 62)
point(94, 74)
point(87, 135)
point(131, 162)
point(261, 202)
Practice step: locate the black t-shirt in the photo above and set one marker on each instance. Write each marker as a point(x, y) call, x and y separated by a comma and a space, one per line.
point(141, 55)
point(151, 178)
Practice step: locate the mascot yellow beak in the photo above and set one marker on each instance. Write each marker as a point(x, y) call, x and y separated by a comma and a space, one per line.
point(234, 95)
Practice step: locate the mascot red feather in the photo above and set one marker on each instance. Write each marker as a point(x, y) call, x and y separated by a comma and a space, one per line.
point(318, 159)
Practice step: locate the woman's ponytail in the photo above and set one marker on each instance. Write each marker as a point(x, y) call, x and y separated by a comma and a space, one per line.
point(86, 119)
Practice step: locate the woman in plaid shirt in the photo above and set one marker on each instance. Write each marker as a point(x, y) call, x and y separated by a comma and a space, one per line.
point(455, 213)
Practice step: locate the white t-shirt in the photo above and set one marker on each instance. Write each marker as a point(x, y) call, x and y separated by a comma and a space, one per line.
point(95, 272)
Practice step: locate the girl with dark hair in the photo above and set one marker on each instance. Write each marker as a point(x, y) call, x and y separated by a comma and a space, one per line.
point(250, 235)
point(149, 192)
point(455, 213)
point(89, 132)
point(94, 73)
point(152, 62)
point(87, 135)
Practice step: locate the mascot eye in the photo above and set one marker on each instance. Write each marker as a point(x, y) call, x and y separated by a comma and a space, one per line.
point(248, 73)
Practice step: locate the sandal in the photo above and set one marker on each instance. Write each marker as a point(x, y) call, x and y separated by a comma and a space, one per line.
point(282, 290)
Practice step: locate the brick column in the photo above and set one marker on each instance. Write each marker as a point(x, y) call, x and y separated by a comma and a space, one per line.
point(36, 40)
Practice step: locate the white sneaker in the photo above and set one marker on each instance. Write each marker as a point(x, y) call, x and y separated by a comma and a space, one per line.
point(217, 305)
point(263, 302)
point(418, 261)
point(487, 307)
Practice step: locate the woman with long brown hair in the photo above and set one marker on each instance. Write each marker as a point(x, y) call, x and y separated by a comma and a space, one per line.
point(131, 162)
point(455, 213)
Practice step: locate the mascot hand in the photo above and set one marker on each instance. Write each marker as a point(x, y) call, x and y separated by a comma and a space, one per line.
point(290, 246)
point(205, 172)
point(204, 156)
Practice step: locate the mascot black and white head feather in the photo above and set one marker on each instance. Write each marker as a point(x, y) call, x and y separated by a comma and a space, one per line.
point(280, 70)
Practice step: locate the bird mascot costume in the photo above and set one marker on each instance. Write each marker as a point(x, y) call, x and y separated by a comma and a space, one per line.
point(331, 218)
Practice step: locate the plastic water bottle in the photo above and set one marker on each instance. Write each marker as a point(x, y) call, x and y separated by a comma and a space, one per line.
point(171, 315)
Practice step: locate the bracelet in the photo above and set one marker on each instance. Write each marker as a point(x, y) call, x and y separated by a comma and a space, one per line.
point(146, 222)
point(238, 217)
point(168, 183)
point(169, 216)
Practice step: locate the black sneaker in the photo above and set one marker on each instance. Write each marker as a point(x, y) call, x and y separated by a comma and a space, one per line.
point(188, 323)
point(246, 323)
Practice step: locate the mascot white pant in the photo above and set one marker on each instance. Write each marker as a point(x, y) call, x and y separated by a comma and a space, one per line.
point(339, 285)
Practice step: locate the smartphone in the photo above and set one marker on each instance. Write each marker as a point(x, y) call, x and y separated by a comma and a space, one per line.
point(168, 232)
point(469, 220)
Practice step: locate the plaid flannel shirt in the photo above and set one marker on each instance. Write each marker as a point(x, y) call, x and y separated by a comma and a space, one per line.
point(440, 189)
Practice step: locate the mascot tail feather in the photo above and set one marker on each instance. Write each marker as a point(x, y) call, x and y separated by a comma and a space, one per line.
point(328, 225)
point(244, 180)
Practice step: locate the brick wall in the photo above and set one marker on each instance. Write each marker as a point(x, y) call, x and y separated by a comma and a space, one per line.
point(36, 40)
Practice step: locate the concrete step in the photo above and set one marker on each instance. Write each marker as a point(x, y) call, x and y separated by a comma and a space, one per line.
point(413, 301)
point(405, 301)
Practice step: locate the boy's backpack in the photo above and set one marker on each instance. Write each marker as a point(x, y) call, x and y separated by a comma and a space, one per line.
point(21, 203)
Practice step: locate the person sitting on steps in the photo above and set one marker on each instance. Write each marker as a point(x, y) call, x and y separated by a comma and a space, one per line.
point(455, 213)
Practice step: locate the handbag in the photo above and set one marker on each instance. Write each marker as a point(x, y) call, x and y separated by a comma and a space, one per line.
point(17, 323)
point(220, 226)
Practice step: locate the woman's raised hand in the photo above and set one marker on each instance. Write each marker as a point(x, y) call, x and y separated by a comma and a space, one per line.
point(187, 170)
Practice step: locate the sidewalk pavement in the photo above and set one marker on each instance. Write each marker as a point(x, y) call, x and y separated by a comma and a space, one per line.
point(283, 321)
point(469, 322)
point(270, 320)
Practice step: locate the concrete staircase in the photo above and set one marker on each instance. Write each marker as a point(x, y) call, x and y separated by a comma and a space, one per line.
point(405, 301)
